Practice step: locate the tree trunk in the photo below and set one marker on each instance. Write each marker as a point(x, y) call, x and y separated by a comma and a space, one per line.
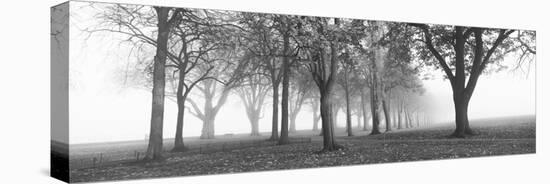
point(292, 127)
point(254, 119)
point(394, 119)
point(286, 78)
point(375, 112)
point(460, 96)
point(211, 110)
point(376, 88)
point(180, 100)
point(461, 117)
point(366, 120)
point(417, 120)
point(409, 120)
point(316, 116)
point(387, 115)
point(348, 112)
point(208, 130)
point(365, 112)
point(154, 149)
point(253, 100)
point(275, 114)
point(325, 83)
point(292, 124)
point(254, 123)
point(316, 122)
point(326, 120)
point(294, 109)
point(358, 120)
point(334, 115)
point(209, 115)
point(399, 118)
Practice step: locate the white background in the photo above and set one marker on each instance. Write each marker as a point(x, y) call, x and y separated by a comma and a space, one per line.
point(24, 91)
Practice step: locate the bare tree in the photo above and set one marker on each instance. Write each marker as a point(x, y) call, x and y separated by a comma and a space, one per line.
point(136, 23)
point(154, 149)
point(300, 91)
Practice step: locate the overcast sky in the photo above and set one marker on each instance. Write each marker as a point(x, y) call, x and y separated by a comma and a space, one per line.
point(101, 109)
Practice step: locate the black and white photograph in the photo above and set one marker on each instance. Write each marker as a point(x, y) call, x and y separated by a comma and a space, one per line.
point(149, 91)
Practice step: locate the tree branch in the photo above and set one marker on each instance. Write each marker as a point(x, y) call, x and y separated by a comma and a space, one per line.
point(429, 44)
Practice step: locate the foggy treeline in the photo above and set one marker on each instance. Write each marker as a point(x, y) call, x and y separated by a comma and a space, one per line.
point(370, 70)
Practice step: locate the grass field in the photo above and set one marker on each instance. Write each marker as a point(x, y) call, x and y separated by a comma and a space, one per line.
point(497, 136)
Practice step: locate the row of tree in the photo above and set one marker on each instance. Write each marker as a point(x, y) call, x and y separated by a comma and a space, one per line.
point(367, 68)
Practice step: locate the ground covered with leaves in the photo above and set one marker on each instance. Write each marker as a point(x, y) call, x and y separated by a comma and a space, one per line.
point(510, 136)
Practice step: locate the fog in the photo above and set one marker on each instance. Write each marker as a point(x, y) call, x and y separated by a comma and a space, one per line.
point(104, 108)
point(508, 93)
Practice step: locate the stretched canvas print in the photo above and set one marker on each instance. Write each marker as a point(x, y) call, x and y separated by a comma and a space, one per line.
point(142, 91)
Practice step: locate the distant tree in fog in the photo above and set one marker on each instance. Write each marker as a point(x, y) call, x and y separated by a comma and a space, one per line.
point(262, 41)
point(252, 93)
point(229, 72)
point(195, 37)
point(301, 86)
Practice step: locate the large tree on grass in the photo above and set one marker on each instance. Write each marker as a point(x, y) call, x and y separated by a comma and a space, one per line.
point(322, 37)
point(164, 24)
point(145, 27)
point(464, 54)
